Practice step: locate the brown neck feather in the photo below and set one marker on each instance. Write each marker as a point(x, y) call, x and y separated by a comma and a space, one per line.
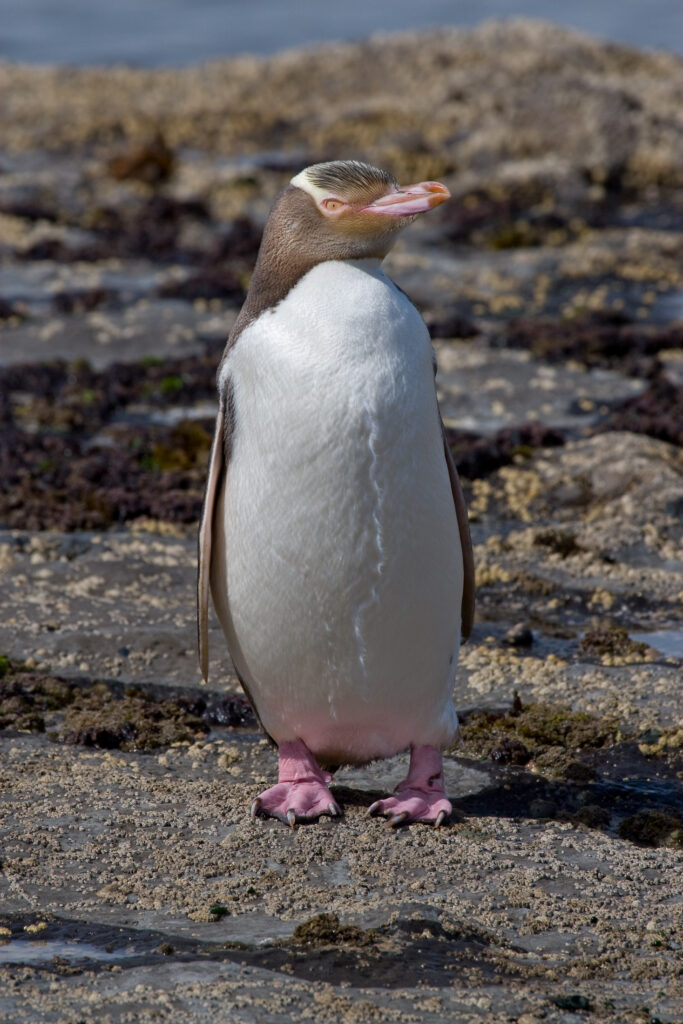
point(296, 238)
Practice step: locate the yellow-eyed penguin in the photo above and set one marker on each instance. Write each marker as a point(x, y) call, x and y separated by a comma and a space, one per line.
point(334, 535)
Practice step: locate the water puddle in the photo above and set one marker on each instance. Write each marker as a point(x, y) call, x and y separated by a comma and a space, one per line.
point(53, 943)
point(37, 951)
point(142, 415)
point(669, 307)
point(668, 641)
point(407, 951)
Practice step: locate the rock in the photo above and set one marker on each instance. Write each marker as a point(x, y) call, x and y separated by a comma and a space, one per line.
point(542, 808)
point(153, 162)
point(510, 751)
point(653, 828)
point(518, 636)
point(592, 816)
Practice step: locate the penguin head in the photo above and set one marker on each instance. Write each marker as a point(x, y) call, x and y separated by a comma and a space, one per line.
point(346, 209)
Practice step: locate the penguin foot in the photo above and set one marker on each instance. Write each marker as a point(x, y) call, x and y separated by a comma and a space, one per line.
point(301, 793)
point(421, 796)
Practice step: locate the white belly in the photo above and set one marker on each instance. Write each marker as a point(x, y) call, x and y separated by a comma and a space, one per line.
point(338, 573)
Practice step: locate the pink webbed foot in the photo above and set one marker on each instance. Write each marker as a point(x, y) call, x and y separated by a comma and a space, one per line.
point(301, 793)
point(421, 796)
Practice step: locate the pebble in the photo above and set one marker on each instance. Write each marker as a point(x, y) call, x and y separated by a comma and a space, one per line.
point(518, 636)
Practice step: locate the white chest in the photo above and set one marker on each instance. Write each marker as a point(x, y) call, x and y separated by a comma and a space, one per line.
point(343, 570)
point(343, 337)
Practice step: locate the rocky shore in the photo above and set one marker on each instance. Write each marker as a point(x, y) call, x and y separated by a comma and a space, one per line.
point(133, 885)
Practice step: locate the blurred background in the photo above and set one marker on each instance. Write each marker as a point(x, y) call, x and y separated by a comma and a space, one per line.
point(174, 33)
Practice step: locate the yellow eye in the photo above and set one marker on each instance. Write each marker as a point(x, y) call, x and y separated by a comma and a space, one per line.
point(332, 204)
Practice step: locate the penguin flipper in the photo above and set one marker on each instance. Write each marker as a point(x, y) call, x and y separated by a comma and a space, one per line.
point(205, 538)
point(465, 541)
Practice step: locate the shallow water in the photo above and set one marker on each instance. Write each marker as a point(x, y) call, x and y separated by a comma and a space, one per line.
point(176, 33)
point(24, 951)
point(668, 641)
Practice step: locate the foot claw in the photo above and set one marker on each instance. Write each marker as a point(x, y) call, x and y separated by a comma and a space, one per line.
point(421, 796)
point(397, 819)
point(301, 793)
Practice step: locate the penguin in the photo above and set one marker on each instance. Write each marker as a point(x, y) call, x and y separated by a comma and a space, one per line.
point(334, 538)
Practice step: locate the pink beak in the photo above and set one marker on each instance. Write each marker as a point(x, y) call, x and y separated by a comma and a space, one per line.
point(410, 200)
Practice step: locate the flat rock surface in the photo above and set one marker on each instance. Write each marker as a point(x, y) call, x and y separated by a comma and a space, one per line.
point(134, 886)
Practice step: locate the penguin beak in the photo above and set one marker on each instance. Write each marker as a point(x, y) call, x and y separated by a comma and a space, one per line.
point(409, 200)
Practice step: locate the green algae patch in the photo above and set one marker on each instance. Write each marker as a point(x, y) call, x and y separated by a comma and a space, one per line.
point(93, 716)
point(574, 1003)
point(559, 542)
point(326, 930)
point(548, 725)
point(653, 828)
point(97, 714)
point(546, 733)
point(187, 447)
point(26, 697)
point(609, 640)
point(98, 719)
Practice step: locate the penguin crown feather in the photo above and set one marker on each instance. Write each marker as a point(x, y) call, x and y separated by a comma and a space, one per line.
point(344, 174)
point(362, 198)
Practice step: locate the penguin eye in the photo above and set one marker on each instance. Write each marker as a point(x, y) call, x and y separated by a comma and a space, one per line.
point(332, 204)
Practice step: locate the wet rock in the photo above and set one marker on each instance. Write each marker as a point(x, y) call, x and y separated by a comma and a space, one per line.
point(657, 412)
point(577, 771)
point(152, 228)
point(76, 396)
point(560, 763)
point(549, 725)
point(153, 162)
point(499, 218)
point(561, 542)
point(157, 473)
point(241, 241)
point(230, 711)
point(450, 324)
point(575, 1003)
point(593, 816)
point(96, 715)
point(510, 751)
point(547, 733)
point(601, 338)
point(609, 639)
point(617, 486)
point(476, 456)
point(81, 301)
point(98, 719)
point(542, 808)
point(325, 930)
point(518, 636)
point(11, 310)
point(26, 697)
point(212, 282)
point(653, 828)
